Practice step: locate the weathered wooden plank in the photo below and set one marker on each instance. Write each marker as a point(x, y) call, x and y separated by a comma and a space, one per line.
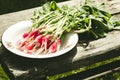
point(100, 46)
point(24, 68)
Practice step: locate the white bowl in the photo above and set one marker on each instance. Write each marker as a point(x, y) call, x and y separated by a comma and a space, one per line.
point(14, 32)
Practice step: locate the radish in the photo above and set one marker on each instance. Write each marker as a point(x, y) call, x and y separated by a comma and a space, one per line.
point(25, 34)
point(46, 41)
point(55, 46)
point(33, 33)
point(38, 40)
point(36, 34)
point(29, 46)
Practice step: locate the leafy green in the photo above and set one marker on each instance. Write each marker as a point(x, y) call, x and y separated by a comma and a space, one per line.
point(80, 19)
point(3, 75)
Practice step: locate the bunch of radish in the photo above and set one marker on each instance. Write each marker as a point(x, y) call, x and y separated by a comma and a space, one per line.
point(36, 42)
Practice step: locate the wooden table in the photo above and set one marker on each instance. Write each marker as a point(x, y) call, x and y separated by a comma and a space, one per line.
point(90, 52)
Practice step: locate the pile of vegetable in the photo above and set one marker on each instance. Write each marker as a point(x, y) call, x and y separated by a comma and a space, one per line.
point(51, 22)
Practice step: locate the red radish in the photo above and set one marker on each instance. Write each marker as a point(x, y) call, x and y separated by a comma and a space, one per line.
point(38, 40)
point(35, 41)
point(25, 34)
point(32, 33)
point(46, 41)
point(55, 46)
point(36, 34)
point(29, 46)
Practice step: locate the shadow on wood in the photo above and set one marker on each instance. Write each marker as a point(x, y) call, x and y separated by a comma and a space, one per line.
point(7, 6)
